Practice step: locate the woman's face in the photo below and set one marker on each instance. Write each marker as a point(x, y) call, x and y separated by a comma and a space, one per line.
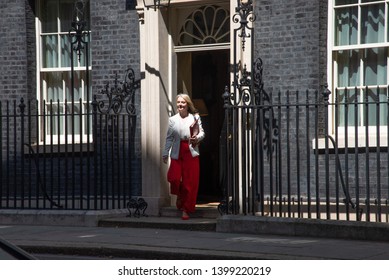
point(182, 106)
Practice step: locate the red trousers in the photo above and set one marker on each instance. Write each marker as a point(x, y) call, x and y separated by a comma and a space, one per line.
point(183, 176)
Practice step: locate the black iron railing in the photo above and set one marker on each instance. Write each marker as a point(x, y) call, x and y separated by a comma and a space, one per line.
point(67, 159)
point(309, 155)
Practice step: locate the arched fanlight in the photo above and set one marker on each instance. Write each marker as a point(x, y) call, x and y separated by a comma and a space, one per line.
point(156, 4)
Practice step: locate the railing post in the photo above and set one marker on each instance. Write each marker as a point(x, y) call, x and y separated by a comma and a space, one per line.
point(367, 159)
point(225, 164)
point(95, 150)
point(22, 107)
point(326, 95)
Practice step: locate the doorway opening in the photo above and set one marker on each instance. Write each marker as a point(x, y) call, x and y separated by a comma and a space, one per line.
point(204, 75)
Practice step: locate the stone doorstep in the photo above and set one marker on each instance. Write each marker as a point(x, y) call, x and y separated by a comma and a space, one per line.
point(175, 223)
point(208, 212)
point(204, 219)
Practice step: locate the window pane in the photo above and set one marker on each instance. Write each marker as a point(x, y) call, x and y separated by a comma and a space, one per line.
point(49, 11)
point(189, 36)
point(375, 66)
point(65, 15)
point(222, 27)
point(348, 68)
point(87, 119)
point(66, 48)
point(73, 117)
point(86, 46)
point(346, 26)
point(373, 23)
point(346, 107)
point(66, 52)
point(383, 107)
point(376, 98)
point(54, 122)
point(78, 86)
point(53, 84)
point(49, 51)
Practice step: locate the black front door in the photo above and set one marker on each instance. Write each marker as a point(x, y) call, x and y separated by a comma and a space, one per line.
point(210, 75)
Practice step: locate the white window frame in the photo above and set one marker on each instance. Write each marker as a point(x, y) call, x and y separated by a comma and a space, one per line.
point(42, 95)
point(332, 82)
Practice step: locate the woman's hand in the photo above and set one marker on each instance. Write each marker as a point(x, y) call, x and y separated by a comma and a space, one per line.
point(194, 141)
point(165, 159)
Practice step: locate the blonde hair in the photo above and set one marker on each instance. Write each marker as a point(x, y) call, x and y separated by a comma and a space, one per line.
point(191, 107)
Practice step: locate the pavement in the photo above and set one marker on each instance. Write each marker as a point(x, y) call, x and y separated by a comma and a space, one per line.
point(171, 238)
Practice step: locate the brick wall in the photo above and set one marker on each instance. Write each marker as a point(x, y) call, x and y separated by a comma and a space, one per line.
point(115, 40)
point(290, 38)
point(115, 47)
point(287, 38)
point(31, 49)
point(13, 50)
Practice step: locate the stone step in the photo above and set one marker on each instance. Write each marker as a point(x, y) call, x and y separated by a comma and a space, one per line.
point(208, 211)
point(204, 219)
point(193, 224)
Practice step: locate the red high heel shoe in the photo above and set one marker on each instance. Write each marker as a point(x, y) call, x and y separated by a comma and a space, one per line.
point(185, 216)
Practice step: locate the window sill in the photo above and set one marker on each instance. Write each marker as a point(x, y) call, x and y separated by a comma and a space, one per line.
point(361, 143)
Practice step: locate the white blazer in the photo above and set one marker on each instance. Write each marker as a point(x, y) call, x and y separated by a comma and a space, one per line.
point(173, 139)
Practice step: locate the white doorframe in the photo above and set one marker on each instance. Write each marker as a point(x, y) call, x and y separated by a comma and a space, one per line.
point(155, 96)
point(158, 87)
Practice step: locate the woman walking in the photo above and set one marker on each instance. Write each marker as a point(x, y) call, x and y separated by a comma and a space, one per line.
point(182, 142)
